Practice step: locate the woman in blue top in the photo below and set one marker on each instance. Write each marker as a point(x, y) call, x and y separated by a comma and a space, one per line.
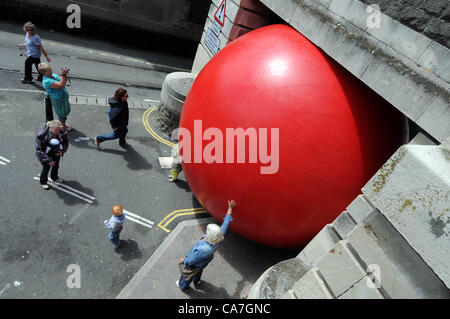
point(34, 47)
point(202, 253)
point(56, 88)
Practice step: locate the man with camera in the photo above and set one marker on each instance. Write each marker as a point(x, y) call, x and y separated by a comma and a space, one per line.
point(56, 89)
point(51, 144)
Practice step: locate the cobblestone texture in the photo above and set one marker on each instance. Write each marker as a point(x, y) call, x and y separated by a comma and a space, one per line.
point(167, 120)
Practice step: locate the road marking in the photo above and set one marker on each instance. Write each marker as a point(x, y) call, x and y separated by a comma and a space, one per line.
point(77, 215)
point(178, 213)
point(21, 90)
point(147, 126)
point(128, 213)
point(78, 139)
point(4, 161)
point(65, 189)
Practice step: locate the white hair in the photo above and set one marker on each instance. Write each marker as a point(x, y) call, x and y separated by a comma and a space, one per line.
point(213, 234)
point(29, 25)
point(43, 67)
point(54, 123)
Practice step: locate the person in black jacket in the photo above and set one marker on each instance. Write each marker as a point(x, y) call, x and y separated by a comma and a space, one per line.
point(51, 144)
point(118, 118)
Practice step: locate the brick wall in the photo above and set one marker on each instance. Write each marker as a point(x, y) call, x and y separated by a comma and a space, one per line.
point(429, 17)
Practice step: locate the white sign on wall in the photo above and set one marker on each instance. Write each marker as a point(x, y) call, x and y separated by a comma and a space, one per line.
point(216, 27)
point(212, 41)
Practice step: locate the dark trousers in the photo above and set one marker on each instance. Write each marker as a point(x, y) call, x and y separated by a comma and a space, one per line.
point(48, 108)
point(46, 168)
point(28, 65)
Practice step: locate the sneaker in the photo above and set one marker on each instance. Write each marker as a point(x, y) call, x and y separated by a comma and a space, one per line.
point(196, 285)
point(45, 186)
point(177, 283)
point(26, 81)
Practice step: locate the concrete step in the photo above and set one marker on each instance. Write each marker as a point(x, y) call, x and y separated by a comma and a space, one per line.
point(319, 246)
point(312, 286)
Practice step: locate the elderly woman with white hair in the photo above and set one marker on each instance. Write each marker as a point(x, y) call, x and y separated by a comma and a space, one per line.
point(56, 89)
point(51, 144)
point(34, 48)
point(202, 253)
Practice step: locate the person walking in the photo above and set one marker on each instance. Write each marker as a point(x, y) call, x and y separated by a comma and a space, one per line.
point(34, 48)
point(56, 89)
point(118, 118)
point(201, 254)
point(115, 225)
point(51, 144)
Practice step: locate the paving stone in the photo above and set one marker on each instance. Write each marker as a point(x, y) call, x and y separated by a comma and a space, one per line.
point(343, 224)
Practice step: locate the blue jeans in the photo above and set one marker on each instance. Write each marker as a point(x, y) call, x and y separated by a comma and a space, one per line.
point(120, 134)
point(114, 237)
point(185, 284)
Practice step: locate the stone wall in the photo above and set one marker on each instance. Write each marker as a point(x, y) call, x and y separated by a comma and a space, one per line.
point(390, 242)
point(431, 18)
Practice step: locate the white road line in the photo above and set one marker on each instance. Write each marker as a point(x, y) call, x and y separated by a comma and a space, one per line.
point(72, 189)
point(5, 159)
point(77, 215)
point(138, 217)
point(137, 221)
point(21, 90)
point(66, 191)
point(1, 163)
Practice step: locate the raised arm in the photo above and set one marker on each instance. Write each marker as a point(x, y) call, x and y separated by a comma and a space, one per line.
point(61, 84)
point(228, 218)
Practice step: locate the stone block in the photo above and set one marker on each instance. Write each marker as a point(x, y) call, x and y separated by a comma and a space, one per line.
point(359, 209)
point(439, 30)
point(289, 295)
point(201, 58)
point(403, 273)
point(178, 84)
point(340, 268)
point(311, 286)
point(276, 280)
point(436, 59)
point(362, 291)
point(421, 139)
point(401, 38)
point(436, 119)
point(319, 246)
point(401, 90)
point(343, 224)
point(172, 103)
point(351, 10)
point(412, 190)
point(284, 9)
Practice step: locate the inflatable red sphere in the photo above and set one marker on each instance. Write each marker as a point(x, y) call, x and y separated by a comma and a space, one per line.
point(333, 132)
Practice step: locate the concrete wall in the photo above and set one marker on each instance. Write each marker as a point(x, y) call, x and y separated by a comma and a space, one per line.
point(410, 69)
point(391, 242)
point(172, 17)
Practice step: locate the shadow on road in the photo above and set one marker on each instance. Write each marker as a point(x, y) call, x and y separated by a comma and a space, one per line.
point(207, 291)
point(128, 250)
point(73, 200)
point(134, 159)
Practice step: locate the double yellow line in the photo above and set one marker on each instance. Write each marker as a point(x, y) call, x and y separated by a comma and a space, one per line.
point(177, 213)
point(151, 131)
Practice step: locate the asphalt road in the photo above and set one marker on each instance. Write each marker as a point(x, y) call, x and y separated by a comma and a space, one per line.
point(43, 232)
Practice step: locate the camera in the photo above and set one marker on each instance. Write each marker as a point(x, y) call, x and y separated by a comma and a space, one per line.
point(67, 69)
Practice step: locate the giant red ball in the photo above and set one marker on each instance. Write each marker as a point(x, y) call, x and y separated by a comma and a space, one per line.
point(334, 134)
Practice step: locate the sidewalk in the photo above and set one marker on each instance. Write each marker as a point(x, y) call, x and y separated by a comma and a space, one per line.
point(236, 266)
